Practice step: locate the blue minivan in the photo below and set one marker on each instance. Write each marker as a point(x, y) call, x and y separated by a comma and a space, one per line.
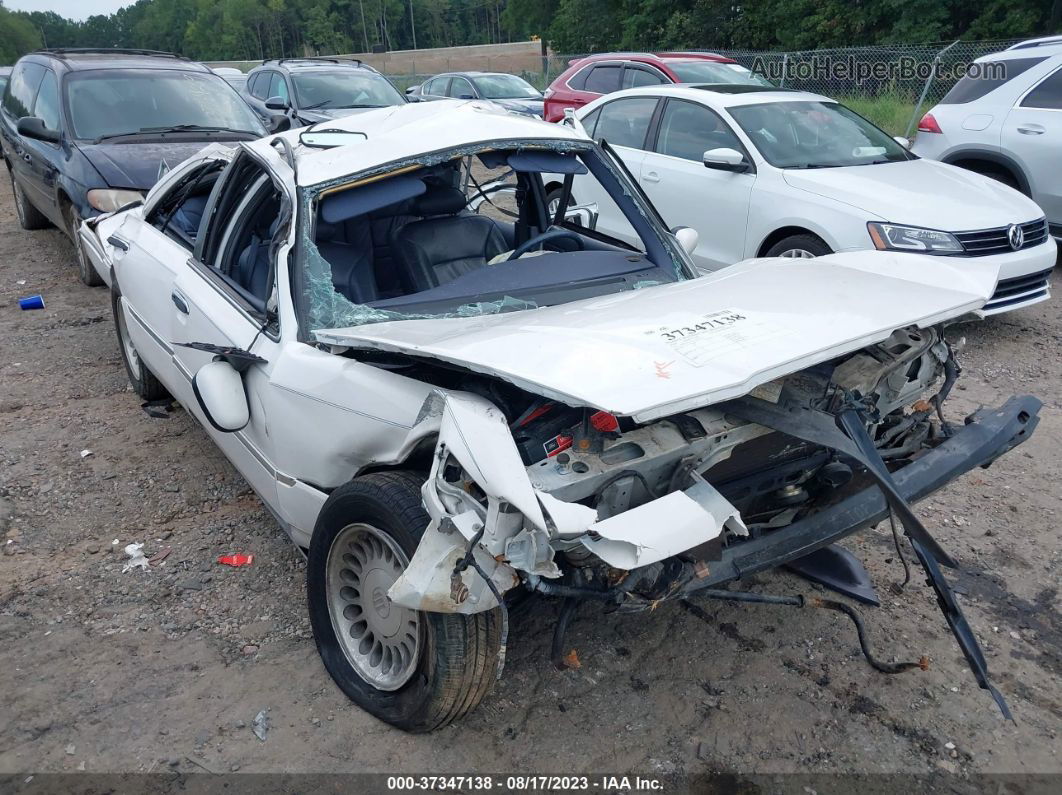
point(87, 131)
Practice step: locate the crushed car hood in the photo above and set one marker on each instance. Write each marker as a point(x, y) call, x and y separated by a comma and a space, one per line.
point(921, 193)
point(137, 165)
point(661, 350)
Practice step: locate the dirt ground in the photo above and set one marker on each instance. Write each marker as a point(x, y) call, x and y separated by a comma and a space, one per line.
point(164, 670)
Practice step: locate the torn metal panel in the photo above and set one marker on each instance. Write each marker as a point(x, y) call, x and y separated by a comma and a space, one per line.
point(664, 527)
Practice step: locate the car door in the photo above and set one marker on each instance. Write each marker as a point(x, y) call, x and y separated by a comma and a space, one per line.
point(224, 296)
point(18, 102)
point(1033, 133)
point(461, 88)
point(673, 175)
point(436, 88)
point(149, 251)
point(624, 124)
point(41, 157)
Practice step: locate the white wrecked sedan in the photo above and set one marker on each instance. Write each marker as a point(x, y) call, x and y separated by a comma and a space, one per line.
point(446, 407)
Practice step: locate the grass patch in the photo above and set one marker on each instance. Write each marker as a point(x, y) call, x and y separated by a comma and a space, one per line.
point(890, 113)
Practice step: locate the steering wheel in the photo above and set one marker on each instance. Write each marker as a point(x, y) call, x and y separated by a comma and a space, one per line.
point(553, 233)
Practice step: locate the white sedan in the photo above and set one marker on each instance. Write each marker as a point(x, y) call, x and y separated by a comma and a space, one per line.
point(442, 406)
point(765, 172)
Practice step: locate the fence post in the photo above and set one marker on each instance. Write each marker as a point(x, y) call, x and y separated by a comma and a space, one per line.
point(785, 69)
point(925, 90)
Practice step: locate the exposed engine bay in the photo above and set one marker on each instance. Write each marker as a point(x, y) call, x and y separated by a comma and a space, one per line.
point(577, 487)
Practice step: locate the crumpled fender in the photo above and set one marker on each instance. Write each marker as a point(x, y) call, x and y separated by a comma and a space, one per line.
point(514, 529)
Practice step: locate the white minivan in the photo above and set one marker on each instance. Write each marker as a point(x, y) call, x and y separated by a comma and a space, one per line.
point(769, 172)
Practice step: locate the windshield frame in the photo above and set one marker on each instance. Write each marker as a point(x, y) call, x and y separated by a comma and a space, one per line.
point(663, 245)
point(257, 129)
point(892, 147)
point(536, 95)
point(300, 104)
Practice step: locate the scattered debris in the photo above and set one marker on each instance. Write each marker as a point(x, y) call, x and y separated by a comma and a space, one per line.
point(160, 556)
point(260, 725)
point(158, 409)
point(571, 660)
point(136, 558)
point(250, 648)
point(236, 560)
point(70, 749)
point(86, 453)
point(31, 302)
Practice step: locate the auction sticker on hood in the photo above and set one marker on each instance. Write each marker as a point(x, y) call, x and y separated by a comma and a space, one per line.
point(717, 333)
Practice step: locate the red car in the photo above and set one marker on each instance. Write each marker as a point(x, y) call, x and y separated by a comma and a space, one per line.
point(588, 78)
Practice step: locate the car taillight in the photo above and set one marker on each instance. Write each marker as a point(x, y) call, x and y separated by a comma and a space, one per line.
point(929, 124)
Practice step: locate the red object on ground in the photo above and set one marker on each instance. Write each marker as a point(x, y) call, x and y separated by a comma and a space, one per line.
point(236, 560)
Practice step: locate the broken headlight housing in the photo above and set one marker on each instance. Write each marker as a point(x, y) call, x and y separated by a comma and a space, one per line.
point(894, 237)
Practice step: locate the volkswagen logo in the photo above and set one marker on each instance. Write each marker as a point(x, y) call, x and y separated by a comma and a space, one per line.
point(1015, 236)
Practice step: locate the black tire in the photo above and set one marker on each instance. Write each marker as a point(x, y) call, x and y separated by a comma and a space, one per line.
point(85, 269)
point(554, 196)
point(805, 242)
point(29, 217)
point(143, 381)
point(457, 653)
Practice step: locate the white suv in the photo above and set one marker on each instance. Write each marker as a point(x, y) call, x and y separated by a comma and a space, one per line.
point(1007, 123)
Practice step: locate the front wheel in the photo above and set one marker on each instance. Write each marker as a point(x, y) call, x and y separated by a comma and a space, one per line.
point(799, 247)
point(85, 269)
point(415, 670)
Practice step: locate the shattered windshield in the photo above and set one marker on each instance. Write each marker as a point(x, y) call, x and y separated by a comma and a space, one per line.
point(470, 234)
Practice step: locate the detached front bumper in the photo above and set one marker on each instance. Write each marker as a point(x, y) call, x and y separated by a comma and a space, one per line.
point(987, 434)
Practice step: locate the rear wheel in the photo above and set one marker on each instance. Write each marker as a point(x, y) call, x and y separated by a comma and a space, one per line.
point(799, 247)
point(85, 268)
point(553, 200)
point(142, 379)
point(29, 217)
point(415, 670)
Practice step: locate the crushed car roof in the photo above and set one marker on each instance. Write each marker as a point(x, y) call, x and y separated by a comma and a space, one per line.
point(407, 131)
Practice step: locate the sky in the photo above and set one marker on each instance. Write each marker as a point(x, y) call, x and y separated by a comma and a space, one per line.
point(72, 9)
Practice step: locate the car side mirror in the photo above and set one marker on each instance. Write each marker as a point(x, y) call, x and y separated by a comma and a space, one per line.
point(687, 238)
point(218, 388)
point(278, 122)
point(726, 159)
point(277, 103)
point(32, 127)
point(904, 142)
point(411, 89)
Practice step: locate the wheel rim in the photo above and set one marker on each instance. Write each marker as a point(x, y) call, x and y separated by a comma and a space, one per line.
point(551, 208)
point(79, 252)
point(797, 253)
point(131, 356)
point(380, 639)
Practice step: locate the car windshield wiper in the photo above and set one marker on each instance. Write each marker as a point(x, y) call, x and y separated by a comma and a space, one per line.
point(174, 128)
point(316, 105)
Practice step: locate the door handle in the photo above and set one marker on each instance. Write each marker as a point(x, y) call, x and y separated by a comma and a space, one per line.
point(179, 302)
point(1031, 129)
point(117, 242)
point(651, 176)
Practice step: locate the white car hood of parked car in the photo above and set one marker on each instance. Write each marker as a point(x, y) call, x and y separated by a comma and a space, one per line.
point(658, 351)
point(920, 193)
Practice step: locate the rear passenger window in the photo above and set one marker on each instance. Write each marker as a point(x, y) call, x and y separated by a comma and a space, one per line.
point(604, 79)
point(1047, 95)
point(259, 84)
point(25, 81)
point(47, 105)
point(634, 77)
point(577, 82)
point(970, 88)
point(626, 121)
